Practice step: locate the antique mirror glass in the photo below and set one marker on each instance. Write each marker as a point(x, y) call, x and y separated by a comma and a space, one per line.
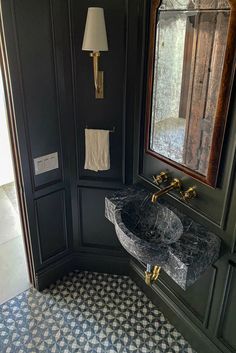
point(188, 44)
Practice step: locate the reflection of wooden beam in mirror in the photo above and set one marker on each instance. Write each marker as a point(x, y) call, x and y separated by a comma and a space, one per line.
point(198, 143)
point(206, 29)
point(188, 73)
point(217, 62)
point(187, 65)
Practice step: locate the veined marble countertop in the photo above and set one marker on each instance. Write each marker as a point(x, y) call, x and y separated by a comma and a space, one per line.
point(184, 260)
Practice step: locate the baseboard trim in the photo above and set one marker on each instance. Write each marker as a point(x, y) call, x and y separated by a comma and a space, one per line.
point(102, 263)
point(192, 333)
point(84, 262)
point(55, 271)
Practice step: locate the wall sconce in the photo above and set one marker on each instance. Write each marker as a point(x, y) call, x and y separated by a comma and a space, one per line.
point(95, 40)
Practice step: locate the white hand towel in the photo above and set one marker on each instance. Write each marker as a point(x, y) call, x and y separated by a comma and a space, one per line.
point(97, 154)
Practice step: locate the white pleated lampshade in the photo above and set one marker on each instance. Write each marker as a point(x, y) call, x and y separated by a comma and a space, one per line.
point(95, 36)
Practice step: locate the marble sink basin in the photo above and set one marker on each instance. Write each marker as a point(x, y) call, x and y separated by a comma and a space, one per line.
point(145, 230)
point(160, 234)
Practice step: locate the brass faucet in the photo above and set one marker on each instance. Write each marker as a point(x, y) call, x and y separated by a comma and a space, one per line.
point(175, 184)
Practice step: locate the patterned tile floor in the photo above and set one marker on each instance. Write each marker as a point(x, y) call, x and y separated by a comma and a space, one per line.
point(87, 312)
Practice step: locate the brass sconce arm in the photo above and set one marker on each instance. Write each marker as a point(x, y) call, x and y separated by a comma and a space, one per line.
point(98, 75)
point(95, 56)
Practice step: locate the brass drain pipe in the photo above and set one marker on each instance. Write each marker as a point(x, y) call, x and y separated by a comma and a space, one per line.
point(151, 276)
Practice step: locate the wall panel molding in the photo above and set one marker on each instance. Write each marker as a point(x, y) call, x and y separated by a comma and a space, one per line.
point(51, 219)
point(210, 298)
point(38, 49)
point(110, 111)
point(55, 60)
point(166, 285)
point(39, 85)
point(96, 232)
point(226, 318)
point(179, 318)
point(20, 86)
point(202, 319)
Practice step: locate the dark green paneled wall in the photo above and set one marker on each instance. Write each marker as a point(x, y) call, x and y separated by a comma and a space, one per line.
point(54, 99)
point(53, 93)
point(38, 48)
point(206, 311)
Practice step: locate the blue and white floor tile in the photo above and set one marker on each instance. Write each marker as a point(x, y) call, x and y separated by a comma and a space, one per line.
point(87, 312)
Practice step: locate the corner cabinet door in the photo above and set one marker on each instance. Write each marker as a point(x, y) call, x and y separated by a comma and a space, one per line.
point(38, 49)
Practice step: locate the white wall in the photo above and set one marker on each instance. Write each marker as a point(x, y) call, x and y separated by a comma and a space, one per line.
point(6, 166)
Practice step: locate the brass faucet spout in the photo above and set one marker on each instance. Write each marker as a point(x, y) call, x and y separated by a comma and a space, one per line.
point(175, 184)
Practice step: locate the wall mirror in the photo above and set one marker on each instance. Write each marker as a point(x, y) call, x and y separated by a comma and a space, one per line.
point(190, 74)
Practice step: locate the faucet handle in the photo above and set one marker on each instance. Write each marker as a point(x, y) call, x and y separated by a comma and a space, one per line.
point(176, 183)
point(160, 178)
point(189, 194)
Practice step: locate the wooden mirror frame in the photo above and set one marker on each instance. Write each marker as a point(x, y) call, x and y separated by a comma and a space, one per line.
point(222, 103)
